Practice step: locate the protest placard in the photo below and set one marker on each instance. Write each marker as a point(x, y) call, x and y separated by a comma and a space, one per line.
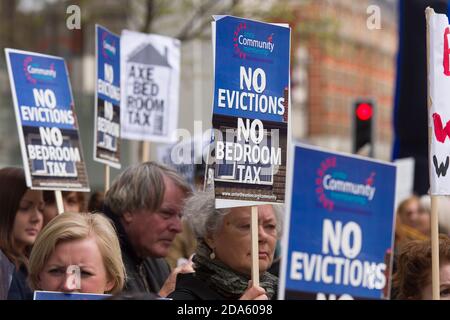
point(107, 98)
point(150, 80)
point(46, 121)
point(438, 66)
point(250, 111)
point(439, 106)
point(339, 227)
point(53, 295)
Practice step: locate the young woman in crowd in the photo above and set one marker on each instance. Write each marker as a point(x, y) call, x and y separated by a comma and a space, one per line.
point(21, 218)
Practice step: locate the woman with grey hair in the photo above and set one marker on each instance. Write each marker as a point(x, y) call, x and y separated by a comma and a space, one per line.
point(222, 261)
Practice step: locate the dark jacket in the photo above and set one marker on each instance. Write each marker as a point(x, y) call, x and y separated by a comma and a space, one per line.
point(19, 289)
point(189, 287)
point(7, 269)
point(143, 274)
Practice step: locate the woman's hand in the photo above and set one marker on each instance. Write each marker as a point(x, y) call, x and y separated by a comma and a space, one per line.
point(254, 293)
point(171, 281)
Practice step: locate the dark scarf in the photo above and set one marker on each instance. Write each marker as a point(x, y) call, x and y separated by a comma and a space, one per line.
point(226, 282)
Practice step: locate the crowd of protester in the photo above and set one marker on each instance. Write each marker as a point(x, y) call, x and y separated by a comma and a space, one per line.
point(152, 235)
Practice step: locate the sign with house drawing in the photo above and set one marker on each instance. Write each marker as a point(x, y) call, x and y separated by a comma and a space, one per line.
point(150, 80)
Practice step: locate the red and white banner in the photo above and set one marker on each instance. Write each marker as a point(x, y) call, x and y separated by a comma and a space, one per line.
point(439, 103)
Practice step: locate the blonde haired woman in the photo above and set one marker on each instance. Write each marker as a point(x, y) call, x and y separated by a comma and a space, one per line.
point(77, 241)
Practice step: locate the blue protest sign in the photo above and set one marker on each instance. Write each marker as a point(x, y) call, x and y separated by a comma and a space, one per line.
point(250, 111)
point(46, 121)
point(339, 227)
point(107, 102)
point(53, 295)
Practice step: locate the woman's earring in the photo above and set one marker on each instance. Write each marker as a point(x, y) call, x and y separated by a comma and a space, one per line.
point(212, 255)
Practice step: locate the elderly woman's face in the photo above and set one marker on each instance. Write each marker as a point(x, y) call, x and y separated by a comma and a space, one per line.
point(232, 244)
point(86, 255)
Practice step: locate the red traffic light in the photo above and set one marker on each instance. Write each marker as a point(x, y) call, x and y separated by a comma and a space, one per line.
point(364, 111)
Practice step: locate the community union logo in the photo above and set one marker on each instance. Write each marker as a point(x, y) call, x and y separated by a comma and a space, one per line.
point(34, 72)
point(108, 47)
point(334, 185)
point(247, 43)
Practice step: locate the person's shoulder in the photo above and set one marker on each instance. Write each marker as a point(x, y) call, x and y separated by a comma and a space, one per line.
point(6, 274)
point(19, 289)
point(188, 287)
point(5, 263)
point(183, 294)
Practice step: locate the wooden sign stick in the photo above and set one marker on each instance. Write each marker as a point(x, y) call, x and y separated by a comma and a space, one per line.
point(255, 246)
point(435, 249)
point(59, 201)
point(145, 151)
point(107, 177)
